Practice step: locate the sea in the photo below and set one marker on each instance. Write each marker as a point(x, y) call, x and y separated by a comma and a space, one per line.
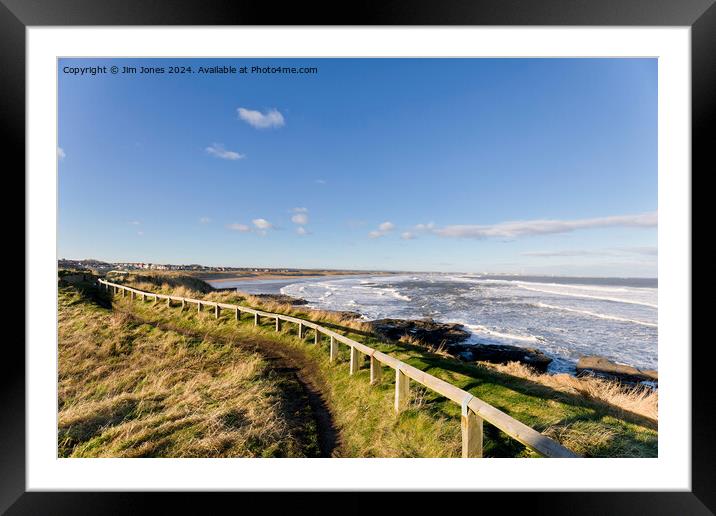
point(564, 317)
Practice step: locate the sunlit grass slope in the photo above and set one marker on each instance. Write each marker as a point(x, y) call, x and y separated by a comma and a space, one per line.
point(130, 389)
point(592, 420)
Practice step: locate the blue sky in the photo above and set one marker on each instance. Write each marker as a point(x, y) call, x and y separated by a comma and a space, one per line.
point(500, 165)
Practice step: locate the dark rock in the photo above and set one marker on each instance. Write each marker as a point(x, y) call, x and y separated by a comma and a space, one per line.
point(346, 314)
point(75, 279)
point(425, 330)
point(601, 366)
point(282, 298)
point(500, 354)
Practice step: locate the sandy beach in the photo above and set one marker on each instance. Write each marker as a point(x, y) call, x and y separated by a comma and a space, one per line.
point(226, 277)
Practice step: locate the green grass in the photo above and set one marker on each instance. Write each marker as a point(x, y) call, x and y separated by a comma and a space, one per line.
point(430, 426)
point(130, 389)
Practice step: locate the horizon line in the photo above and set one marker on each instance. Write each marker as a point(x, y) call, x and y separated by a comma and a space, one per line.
point(359, 269)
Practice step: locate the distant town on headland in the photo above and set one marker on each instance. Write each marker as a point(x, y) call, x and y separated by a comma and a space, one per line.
point(99, 265)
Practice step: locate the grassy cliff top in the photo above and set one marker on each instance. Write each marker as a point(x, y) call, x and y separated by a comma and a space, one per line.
point(131, 389)
point(594, 418)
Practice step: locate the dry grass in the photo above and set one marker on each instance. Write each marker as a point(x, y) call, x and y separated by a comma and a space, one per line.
point(593, 417)
point(363, 413)
point(176, 286)
point(323, 316)
point(633, 399)
point(371, 428)
point(173, 279)
point(131, 390)
point(637, 400)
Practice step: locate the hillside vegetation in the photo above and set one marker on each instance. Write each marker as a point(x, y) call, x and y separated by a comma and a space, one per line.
point(131, 389)
point(594, 419)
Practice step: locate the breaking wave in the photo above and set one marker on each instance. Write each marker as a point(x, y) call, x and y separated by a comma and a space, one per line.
point(563, 317)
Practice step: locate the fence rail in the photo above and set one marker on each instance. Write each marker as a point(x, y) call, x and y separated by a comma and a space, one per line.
point(473, 412)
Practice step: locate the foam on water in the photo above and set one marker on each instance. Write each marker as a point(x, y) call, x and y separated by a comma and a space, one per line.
point(588, 296)
point(594, 314)
point(565, 320)
point(481, 334)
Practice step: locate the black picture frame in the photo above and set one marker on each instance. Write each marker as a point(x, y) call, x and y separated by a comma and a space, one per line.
point(16, 15)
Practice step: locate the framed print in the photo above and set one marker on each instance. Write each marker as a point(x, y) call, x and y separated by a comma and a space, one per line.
point(406, 251)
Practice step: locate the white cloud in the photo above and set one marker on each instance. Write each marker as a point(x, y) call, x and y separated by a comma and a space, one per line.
point(60, 153)
point(135, 223)
point(321, 181)
point(382, 230)
point(516, 229)
point(140, 233)
point(217, 150)
point(262, 224)
point(259, 120)
point(425, 227)
point(260, 227)
point(566, 252)
point(241, 228)
point(204, 220)
point(417, 230)
point(647, 250)
point(614, 251)
point(300, 216)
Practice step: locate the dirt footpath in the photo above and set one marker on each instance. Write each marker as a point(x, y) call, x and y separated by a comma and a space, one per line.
point(285, 360)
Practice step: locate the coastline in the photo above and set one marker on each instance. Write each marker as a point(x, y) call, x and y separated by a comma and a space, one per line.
point(254, 278)
point(440, 331)
point(228, 277)
point(452, 338)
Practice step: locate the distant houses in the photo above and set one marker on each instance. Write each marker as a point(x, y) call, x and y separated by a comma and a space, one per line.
point(91, 264)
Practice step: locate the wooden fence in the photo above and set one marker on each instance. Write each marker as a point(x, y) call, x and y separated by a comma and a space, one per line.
point(474, 410)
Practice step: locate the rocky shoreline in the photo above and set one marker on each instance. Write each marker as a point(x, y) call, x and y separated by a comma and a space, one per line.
point(451, 337)
point(603, 367)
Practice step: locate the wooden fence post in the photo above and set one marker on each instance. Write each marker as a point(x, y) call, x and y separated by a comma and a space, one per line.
point(376, 370)
point(471, 426)
point(237, 315)
point(471, 421)
point(402, 390)
point(355, 360)
point(334, 350)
